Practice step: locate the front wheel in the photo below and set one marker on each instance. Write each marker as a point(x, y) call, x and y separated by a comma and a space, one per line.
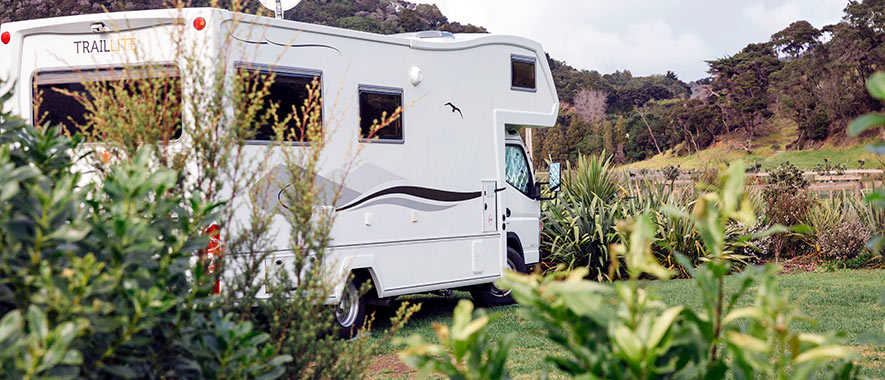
point(493, 296)
point(351, 310)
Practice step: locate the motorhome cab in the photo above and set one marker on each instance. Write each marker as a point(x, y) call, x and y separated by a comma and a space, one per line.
point(443, 198)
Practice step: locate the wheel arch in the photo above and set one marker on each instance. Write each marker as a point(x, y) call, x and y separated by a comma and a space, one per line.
point(367, 273)
point(513, 241)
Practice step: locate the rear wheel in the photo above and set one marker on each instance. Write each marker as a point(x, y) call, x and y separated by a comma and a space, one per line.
point(493, 296)
point(351, 310)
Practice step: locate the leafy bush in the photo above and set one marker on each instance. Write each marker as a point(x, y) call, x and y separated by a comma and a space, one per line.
point(786, 178)
point(876, 199)
point(786, 203)
point(100, 281)
point(829, 169)
point(839, 227)
point(788, 209)
point(638, 338)
point(125, 261)
point(464, 350)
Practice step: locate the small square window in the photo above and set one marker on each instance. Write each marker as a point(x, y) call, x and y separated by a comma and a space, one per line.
point(376, 105)
point(522, 70)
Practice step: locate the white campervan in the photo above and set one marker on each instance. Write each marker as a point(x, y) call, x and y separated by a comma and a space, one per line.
point(443, 198)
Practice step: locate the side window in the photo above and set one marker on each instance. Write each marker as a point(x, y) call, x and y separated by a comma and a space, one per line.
point(297, 94)
point(57, 89)
point(522, 73)
point(517, 168)
point(376, 105)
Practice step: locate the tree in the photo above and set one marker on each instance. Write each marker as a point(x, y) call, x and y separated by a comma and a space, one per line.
point(743, 81)
point(642, 111)
point(796, 38)
point(577, 129)
point(620, 139)
point(798, 91)
point(608, 138)
point(697, 121)
point(590, 104)
point(569, 80)
point(868, 14)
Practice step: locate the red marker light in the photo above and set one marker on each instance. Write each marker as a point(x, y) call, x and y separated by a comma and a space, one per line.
point(212, 254)
point(199, 23)
point(214, 246)
point(5, 37)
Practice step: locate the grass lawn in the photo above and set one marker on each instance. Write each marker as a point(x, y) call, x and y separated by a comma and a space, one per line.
point(768, 150)
point(843, 300)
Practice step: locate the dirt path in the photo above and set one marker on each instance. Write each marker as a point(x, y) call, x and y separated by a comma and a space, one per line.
point(388, 367)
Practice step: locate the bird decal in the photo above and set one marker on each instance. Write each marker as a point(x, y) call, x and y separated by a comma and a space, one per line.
point(454, 109)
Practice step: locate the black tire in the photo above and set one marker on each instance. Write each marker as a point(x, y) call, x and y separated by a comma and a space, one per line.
point(498, 297)
point(350, 313)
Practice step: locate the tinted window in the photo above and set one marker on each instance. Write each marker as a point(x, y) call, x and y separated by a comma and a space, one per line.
point(517, 168)
point(522, 73)
point(376, 106)
point(291, 93)
point(59, 108)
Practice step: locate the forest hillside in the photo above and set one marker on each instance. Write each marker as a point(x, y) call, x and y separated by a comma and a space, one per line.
point(795, 92)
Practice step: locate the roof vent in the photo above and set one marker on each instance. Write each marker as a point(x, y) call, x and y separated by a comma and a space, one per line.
point(434, 34)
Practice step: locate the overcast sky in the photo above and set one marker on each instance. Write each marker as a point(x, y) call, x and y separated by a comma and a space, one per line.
point(643, 36)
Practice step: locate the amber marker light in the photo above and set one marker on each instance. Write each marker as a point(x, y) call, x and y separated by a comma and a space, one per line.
point(5, 37)
point(199, 23)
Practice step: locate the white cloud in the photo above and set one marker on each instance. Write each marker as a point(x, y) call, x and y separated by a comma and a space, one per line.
point(643, 36)
point(777, 16)
point(643, 48)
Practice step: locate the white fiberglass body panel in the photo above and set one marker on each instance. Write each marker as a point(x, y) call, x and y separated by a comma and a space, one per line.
point(414, 210)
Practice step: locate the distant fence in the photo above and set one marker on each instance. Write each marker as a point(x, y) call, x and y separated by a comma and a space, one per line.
point(858, 181)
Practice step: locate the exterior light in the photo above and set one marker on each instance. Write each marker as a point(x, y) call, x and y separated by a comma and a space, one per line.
point(212, 254)
point(5, 37)
point(199, 23)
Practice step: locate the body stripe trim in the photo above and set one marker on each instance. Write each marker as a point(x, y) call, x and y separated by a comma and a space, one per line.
point(420, 192)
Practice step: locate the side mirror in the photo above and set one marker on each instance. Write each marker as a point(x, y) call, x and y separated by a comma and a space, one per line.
point(553, 183)
point(555, 177)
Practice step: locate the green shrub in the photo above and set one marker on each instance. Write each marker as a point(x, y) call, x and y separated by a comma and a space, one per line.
point(829, 169)
point(125, 259)
point(844, 242)
point(464, 350)
point(839, 227)
point(103, 275)
point(786, 178)
point(788, 209)
point(876, 199)
point(786, 203)
point(638, 337)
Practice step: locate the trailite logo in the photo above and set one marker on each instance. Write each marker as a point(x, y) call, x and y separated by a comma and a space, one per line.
point(105, 46)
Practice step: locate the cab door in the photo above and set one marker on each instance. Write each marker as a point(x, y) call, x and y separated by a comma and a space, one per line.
point(523, 211)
